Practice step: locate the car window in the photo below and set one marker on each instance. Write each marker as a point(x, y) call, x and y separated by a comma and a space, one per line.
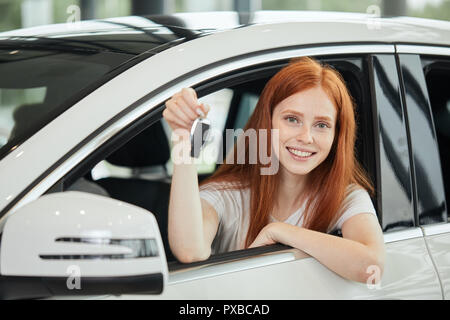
point(437, 73)
point(246, 107)
point(54, 76)
point(354, 71)
point(10, 100)
point(206, 162)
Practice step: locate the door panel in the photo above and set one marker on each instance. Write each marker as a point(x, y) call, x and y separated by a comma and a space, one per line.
point(409, 274)
point(439, 245)
point(397, 187)
point(433, 82)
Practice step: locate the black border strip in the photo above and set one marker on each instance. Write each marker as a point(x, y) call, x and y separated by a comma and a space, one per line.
point(16, 287)
point(229, 256)
point(376, 139)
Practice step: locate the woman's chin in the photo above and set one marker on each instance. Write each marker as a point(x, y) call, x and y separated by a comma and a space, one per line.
point(300, 170)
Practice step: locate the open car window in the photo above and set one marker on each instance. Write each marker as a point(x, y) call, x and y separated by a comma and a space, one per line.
point(139, 171)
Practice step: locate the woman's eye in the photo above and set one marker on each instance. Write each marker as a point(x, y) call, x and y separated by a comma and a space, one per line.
point(322, 125)
point(291, 119)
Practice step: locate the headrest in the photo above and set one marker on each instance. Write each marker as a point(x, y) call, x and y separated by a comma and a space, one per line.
point(148, 148)
point(28, 117)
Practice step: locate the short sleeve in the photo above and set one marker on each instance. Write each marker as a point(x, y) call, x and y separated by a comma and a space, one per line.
point(231, 204)
point(356, 202)
point(214, 197)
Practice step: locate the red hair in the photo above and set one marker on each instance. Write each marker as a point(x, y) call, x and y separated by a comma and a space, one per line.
point(327, 187)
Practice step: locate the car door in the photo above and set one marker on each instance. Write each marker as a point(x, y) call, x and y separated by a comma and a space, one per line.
point(426, 74)
point(286, 273)
point(409, 271)
point(396, 201)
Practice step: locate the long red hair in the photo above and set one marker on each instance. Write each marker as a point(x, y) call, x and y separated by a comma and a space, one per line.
point(327, 185)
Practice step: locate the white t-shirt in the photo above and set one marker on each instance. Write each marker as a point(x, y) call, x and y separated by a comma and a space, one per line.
point(233, 209)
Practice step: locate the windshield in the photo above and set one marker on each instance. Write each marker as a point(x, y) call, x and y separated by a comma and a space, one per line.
point(44, 71)
point(38, 84)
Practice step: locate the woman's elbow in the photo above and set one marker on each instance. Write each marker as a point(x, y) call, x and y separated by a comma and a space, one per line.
point(372, 271)
point(188, 256)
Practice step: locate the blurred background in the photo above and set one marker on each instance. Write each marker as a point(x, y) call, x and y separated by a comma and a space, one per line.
point(16, 14)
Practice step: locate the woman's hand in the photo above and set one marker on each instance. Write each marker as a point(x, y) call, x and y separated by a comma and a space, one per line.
point(182, 110)
point(267, 236)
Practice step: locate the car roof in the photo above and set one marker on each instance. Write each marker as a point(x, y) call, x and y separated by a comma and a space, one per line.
point(128, 35)
point(138, 34)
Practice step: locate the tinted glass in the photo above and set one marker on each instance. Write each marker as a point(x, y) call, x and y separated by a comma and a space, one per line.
point(36, 85)
point(437, 73)
point(43, 71)
point(395, 186)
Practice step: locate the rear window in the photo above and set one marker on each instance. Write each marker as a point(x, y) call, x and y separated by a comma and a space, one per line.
point(38, 84)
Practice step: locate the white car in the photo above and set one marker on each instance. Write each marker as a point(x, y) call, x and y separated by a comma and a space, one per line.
point(85, 158)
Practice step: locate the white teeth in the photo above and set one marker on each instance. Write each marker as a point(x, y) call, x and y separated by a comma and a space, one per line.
point(300, 153)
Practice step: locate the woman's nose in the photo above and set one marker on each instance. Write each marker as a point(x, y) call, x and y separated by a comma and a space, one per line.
point(304, 135)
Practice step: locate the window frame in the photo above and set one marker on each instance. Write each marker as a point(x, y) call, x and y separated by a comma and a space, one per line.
point(413, 62)
point(384, 90)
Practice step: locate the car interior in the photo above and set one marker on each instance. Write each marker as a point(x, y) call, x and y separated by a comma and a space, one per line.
point(146, 155)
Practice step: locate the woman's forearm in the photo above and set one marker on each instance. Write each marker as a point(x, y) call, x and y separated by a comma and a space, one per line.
point(186, 222)
point(186, 234)
point(349, 259)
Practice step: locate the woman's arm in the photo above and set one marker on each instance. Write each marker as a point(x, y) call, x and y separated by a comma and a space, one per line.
point(193, 222)
point(353, 256)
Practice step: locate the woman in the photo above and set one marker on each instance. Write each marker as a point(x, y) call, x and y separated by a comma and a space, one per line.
point(319, 187)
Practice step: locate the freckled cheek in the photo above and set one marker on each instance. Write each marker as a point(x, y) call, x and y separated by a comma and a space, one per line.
point(326, 142)
point(287, 133)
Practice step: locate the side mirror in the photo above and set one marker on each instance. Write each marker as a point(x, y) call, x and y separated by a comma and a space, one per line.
point(76, 243)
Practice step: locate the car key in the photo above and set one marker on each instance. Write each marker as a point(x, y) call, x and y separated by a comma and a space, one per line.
point(199, 134)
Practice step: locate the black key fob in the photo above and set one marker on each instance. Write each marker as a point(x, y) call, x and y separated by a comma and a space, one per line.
point(199, 135)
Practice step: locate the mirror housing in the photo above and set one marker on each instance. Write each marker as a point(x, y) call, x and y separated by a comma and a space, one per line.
point(76, 243)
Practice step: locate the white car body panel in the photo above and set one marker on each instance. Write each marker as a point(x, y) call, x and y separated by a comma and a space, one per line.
point(439, 247)
point(65, 215)
point(438, 240)
point(408, 274)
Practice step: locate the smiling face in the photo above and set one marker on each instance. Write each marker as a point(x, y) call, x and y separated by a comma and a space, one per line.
point(306, 122)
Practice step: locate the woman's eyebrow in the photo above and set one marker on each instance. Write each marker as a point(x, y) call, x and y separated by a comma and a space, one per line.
point(326, 118)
